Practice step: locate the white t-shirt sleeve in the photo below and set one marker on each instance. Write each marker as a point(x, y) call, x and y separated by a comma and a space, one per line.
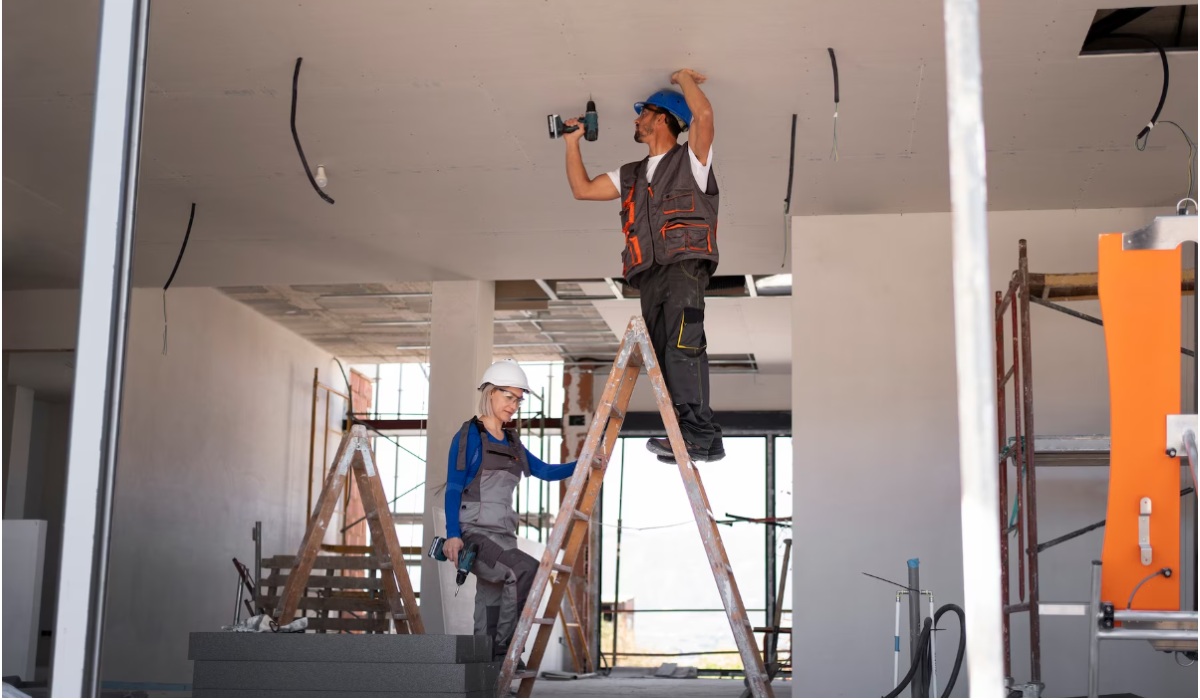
point(700, 171)
point(615, 176)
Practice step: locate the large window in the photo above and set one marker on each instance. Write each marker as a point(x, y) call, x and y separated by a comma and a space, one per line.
point(666, 597)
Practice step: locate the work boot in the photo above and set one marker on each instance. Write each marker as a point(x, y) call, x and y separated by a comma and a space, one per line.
point(662, 448)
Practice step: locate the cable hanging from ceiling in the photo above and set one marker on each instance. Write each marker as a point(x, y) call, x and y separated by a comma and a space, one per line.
point(296, 137)
point(178, 259)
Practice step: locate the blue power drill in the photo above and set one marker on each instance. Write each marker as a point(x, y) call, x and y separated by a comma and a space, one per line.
point(466, 559)
point(590, 120)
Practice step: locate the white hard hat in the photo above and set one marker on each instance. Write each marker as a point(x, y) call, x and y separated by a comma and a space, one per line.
point(505, 373)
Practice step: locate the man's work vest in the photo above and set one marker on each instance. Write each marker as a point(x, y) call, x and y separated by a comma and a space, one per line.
point(487, 502)
point(670, 219)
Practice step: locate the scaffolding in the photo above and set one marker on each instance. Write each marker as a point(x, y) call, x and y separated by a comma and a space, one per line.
point(1026, 450)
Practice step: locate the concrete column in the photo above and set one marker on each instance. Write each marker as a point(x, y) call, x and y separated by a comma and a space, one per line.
point(18, 426)
point(460, 349)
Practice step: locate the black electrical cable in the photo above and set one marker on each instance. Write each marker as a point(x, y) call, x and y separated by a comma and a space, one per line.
point(179, 258)
point(837, 95)
point(787, 201)
point(1162, 97)
point(837, 98)
point(1165, 572)
point(924, 653)
point(296, 137)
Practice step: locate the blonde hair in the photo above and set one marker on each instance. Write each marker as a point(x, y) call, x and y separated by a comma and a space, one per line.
point(484, 410)
point(485, 401)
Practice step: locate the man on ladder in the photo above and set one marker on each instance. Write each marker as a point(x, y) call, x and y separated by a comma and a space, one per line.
point(669, 217)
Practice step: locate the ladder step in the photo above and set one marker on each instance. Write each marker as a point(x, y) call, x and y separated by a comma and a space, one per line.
point(523, 675)
point(543, 620)
point(580, 515)
point(564, 569)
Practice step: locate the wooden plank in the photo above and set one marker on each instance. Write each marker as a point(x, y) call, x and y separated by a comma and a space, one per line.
point(351, 582)
point(347, 624)
point(340, 563)
point(1080, 286)
point(339, 603)
point(397, 585)
point(315, 531)
point(347, 548)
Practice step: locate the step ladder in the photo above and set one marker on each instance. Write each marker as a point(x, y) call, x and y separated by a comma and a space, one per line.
point(354, 457)
point(570, 528)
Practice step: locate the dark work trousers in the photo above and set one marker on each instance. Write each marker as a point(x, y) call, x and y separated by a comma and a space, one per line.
point(673, 307)
point(504, 575)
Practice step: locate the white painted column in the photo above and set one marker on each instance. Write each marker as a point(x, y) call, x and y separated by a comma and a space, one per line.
point(460, 349)
point(20, 426)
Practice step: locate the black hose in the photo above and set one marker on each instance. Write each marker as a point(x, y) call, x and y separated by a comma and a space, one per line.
point(179, 258)
point(296, 137)
point(925, 655)
point(1162, 97)
point(837, 93)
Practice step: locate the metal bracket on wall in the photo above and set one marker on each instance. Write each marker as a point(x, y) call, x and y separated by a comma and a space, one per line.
point(1178, 426)
point(1144, 532)
point(1164, 233)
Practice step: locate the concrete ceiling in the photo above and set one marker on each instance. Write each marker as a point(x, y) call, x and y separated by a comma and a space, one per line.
point(430, 120)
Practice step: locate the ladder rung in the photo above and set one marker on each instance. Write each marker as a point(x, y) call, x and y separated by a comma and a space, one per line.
point(522, 675)
point(543, 620)
point(563, 568)
point(580, 515)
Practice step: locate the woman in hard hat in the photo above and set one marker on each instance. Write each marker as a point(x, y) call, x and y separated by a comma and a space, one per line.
point(486, 463)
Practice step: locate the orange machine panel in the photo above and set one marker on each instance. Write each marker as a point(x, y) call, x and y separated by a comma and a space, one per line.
point(1139, 299)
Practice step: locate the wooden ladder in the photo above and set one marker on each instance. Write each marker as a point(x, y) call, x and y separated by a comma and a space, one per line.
point(570, 528)
point(354, 455)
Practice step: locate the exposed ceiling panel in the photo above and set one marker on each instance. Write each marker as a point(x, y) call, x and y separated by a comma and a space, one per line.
point(429, 119)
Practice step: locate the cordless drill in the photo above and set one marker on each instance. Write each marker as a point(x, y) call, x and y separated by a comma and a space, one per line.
point(466, 559)
point(591, 124)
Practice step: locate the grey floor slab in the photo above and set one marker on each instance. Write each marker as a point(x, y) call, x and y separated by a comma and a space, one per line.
point(344, 677)
point(360, 648)
point(256, 693)
point(649, 688)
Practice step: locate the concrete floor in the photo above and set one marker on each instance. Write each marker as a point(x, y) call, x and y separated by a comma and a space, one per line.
point(649, 688)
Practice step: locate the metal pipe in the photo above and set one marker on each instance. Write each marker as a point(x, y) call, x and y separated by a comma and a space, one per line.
point(1019, 434)
point(617, 569)
point(1155, 616)
point(933, 687)
point(312, 445)
point(1031, 511)
point(1094, 634)
point(896, 644)
point(1148, 635)
point(973, 342)
point(770, 642)
point(100, 346)
point(914, 623)
point(1002, 478)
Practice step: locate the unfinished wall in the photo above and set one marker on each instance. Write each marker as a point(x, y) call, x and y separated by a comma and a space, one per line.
point(876, 453)
point(214, 436)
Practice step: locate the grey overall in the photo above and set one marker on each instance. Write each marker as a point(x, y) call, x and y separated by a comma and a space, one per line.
point(504, 574)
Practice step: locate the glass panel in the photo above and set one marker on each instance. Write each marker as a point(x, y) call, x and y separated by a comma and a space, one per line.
point(659, 529)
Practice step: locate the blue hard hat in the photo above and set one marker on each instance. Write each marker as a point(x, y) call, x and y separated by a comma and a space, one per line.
point(671, 101)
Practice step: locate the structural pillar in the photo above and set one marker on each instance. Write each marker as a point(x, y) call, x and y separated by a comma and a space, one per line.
point(18, 426)
point(460, 349)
